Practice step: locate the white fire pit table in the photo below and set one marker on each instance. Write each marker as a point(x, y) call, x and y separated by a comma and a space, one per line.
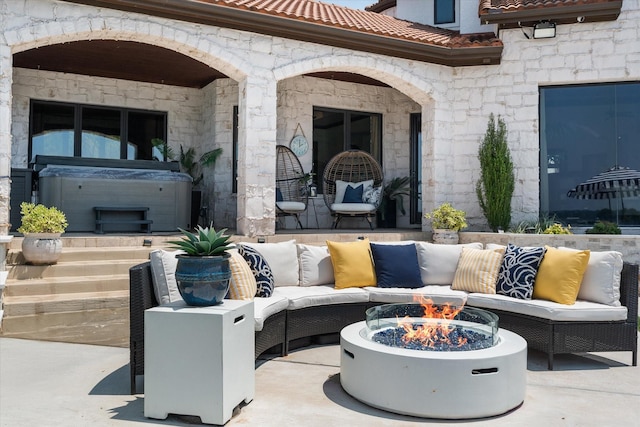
point(434, 384)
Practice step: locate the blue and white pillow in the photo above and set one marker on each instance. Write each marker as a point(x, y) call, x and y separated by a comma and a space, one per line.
point(518, 271)
point(371, 195)
point(260, 269)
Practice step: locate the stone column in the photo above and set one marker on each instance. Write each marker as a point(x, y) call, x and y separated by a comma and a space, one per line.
point(256, 156)
point(6, 77)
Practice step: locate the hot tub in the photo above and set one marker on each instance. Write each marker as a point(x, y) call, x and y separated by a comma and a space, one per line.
point(76, 190)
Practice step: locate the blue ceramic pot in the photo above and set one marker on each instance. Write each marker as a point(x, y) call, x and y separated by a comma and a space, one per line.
point(203, 280)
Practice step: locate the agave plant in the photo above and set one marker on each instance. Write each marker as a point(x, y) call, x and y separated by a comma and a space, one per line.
point(204, 242)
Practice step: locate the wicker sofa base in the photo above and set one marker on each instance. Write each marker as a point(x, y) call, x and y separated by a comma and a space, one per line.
point(551, 337)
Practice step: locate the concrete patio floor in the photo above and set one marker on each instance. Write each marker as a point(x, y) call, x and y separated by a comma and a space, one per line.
point(59, 384)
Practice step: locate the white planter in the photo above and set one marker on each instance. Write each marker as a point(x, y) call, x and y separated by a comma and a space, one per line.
point(42, 248)
point(444, 236)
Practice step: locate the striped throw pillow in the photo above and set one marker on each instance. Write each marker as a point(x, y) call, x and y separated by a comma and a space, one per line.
point(243, 283)
point(477, 270)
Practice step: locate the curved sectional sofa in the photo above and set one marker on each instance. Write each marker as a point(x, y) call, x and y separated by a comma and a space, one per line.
point(313, 308)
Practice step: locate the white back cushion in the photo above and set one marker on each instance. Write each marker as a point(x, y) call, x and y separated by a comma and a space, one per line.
point(438, 263)
point(601, 280)
point(282, 257)
point(315, 265)
point(341, 188)
point(163, 274)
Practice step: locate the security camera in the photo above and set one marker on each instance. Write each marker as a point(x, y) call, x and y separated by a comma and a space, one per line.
point(580, 19)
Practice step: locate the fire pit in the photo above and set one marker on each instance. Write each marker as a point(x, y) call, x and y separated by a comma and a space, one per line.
point(434, 361)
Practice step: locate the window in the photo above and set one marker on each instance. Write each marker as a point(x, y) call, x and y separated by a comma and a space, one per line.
point(444, 11)
point(416, 168)
point(76, 130)
point(335, 131)
point(234, 161)
point(586, 130)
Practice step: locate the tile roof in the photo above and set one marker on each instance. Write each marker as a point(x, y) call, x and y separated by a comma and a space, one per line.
point(512, 5)
point(565, 11)
point(332, 15)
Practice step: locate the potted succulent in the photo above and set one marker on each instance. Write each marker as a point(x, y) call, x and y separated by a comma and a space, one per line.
point(446, 221)
point(203, 271)
point(392, 200)
point(42, 227)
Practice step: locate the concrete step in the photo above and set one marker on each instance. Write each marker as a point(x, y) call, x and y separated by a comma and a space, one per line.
point(109, 326)
point(58, 303)
point(14, 257)
point(73, 269)
point(63, 285)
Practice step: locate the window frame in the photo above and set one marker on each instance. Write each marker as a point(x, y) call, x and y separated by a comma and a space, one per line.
point(346, 137)
point(435, 13)
point(77, 124)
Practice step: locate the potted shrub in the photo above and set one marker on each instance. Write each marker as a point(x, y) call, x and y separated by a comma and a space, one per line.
point(42, 227)
point(446, 221)
point(203, 271)
point(393, 200)
point(191, 165)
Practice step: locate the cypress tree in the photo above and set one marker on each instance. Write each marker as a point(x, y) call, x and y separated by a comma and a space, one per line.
point(496, 184)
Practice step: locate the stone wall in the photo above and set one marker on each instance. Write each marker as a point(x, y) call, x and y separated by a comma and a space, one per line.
point(455, 102)
point(629, 246)
point(183, 105)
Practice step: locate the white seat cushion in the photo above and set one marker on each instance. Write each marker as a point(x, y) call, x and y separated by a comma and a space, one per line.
point(265, 307)
point(580, 311)
point(353, 207)
point(436, 293)
point(291, 206)
point(311, 296)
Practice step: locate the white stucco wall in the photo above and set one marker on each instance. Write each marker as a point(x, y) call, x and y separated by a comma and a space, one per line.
point(455, 102)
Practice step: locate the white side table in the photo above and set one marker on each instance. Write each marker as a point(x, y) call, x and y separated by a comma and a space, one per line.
point(198, 360)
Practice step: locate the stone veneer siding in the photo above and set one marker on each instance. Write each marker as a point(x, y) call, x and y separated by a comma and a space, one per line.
point(455, 102)
point(629, 246)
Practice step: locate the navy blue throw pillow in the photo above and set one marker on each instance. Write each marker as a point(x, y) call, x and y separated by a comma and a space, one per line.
point(260, 269)
point(353, 194)
point(396, 266)
point(278, 195)
point(518, 271)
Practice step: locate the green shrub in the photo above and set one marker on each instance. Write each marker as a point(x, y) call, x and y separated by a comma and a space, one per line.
point(557, 229)
point(41, 219)
point(604, 227)
point(497, 182)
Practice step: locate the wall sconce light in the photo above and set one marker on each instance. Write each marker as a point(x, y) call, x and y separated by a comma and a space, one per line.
point(540, 30)
point(544, 30)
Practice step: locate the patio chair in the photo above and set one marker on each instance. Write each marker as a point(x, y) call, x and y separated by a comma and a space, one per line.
point(291, 194)
point(352, 186)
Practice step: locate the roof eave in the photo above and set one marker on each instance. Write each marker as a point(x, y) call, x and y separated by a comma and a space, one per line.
point(239, 19)
point(595, 12)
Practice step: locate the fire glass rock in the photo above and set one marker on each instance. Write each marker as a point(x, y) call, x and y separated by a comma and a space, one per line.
point(393, 337)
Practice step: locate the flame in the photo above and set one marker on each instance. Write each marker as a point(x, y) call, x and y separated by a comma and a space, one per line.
point(432, 333)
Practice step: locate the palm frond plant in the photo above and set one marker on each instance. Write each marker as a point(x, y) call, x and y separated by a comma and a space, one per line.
point(396, 189)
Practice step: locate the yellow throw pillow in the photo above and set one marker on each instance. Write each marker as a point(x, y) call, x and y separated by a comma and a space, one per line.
point(560, 275)
point(242, 283)
point(352, 264)
point(477, 270)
